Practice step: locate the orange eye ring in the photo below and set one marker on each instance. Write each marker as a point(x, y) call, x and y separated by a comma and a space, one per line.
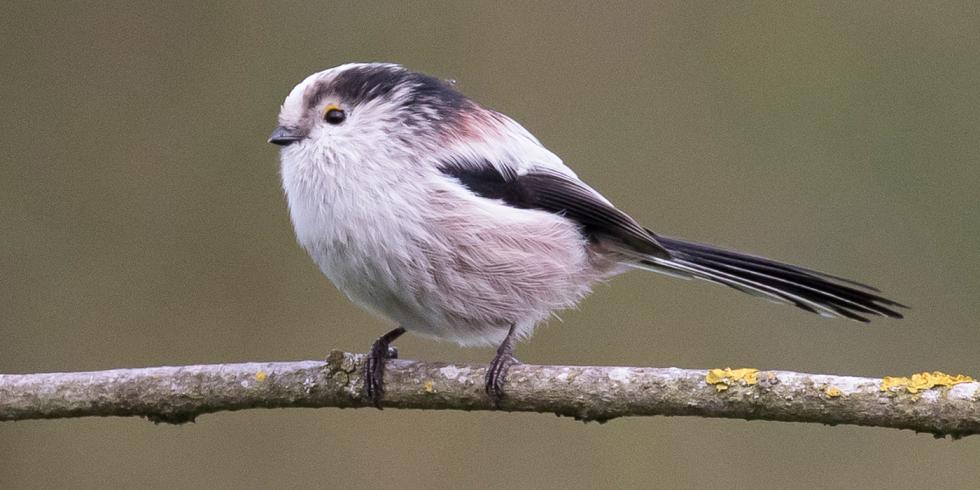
point(333, 114)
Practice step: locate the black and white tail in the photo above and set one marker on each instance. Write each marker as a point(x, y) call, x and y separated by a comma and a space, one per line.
point(813, 291)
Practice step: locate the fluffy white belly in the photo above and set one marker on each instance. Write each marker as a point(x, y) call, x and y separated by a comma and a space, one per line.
point(448, 265)
point(371, 283)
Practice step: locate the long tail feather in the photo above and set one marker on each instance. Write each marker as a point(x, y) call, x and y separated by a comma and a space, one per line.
point(810, 290)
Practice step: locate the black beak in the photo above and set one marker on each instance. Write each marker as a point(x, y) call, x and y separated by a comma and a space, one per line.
point(284, 136)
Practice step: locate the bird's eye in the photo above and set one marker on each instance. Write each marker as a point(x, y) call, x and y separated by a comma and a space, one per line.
point(334, 115)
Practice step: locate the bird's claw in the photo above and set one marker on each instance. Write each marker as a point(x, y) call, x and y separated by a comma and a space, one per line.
point(374, 372)
point(496, 377)
point(374, 368)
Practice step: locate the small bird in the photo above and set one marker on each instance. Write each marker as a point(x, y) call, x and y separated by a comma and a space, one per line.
point(452, 220)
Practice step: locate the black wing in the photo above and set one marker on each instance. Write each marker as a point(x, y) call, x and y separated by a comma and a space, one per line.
point(554, 192)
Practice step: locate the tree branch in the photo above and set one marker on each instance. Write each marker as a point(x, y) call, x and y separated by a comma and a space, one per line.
point(930, 402)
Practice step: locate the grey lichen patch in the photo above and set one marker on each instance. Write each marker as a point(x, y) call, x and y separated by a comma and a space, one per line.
point(768, 379)
point(309, 384)
point(341, 377)
point(339, 360)
point(621, 375)
point(340, 366)
point(348, 365)
point(452, 372)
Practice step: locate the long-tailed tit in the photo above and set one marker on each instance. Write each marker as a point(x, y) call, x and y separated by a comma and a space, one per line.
point(454, 221)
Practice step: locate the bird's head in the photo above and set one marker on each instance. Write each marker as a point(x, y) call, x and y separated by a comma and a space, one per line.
point(373, 107)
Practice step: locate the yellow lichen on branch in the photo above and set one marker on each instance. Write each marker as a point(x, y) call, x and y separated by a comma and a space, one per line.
point(922, 381)
point(723, 378)
point(179, 394)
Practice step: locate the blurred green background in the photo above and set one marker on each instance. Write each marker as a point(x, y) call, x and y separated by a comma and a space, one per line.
point(142, 223)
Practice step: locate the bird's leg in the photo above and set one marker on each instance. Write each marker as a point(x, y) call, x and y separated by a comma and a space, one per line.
point(374, 369)
point(497, 371)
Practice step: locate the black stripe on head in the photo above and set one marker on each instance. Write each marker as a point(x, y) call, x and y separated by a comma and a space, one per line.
point(428, 97)
point(363, 83)
point(556, 193)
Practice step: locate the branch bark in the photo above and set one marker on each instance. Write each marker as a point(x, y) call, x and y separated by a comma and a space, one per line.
point(937, 403)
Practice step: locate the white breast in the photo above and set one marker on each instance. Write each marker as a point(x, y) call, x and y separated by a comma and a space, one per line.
point(418, 248)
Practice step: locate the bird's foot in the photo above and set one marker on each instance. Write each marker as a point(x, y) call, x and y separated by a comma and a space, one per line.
point(374, 368)
point(497, 370)
point(496, 377)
